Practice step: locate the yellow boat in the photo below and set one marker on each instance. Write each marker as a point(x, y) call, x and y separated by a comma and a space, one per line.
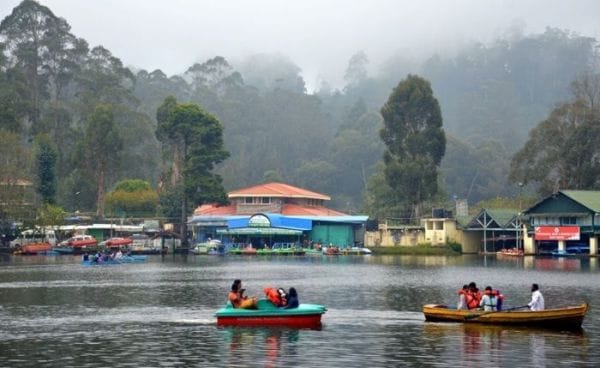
point(559, 318)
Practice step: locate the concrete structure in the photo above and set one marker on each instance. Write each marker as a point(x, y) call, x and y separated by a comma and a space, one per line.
point(488, 231)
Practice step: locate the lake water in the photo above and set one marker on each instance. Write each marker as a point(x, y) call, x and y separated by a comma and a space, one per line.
point(54, 312)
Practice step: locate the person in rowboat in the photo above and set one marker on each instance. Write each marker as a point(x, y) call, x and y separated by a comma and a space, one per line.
point(238, 299)
point(489, 302)
point(462, 297)
point(537, 299)
point(473, 296)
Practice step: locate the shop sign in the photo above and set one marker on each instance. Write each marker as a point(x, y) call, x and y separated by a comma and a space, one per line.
point(557, 233)
point(259, 221)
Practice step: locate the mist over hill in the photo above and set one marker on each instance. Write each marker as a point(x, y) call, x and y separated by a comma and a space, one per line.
point(322, 133)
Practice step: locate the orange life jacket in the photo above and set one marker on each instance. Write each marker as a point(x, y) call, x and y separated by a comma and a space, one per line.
point(273, 295)
point(473, 299)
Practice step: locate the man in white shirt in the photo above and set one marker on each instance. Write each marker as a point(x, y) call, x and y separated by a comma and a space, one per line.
point(537, 299)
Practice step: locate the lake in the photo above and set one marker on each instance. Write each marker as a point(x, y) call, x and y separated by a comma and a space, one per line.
point(54, 312)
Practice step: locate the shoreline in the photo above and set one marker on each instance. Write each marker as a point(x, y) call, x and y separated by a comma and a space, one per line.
point(425, 250)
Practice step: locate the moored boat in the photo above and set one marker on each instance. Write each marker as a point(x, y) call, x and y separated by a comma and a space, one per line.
point(558, 318)
point(77, 244)
point(510, 252)
point(116, 242)
point(34, 248)
point(355, 251)
point(267, 314)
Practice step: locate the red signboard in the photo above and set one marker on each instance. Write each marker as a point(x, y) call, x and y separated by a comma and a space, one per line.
point(557, 233)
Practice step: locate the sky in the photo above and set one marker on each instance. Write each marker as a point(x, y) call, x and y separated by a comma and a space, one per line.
point(319, 36)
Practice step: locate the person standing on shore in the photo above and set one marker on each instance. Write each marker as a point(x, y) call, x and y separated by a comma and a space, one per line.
point(537, 299)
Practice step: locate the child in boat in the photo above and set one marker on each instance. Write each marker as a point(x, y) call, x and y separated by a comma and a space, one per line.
point(292, 299)
point(237, 297)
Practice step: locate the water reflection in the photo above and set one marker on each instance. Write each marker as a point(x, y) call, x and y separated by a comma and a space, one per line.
point(162, 312)
point(266, 345)
point(487, 345)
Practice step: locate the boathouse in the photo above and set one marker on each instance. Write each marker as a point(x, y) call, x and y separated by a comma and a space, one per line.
point(270, 213)
point(566, 221)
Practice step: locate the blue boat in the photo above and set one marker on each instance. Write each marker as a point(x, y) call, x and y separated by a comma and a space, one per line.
point(572, 252)
point(109, 261)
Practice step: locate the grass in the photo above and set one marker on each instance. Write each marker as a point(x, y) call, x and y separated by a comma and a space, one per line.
point(420, 249)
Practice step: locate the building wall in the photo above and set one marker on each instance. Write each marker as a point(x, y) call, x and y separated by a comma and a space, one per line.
point(335, 234)
point(394, 235)
point(433, 231)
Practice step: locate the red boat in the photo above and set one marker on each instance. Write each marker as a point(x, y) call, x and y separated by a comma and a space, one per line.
point(35, 248)
point(116, 242)
point(86, 241)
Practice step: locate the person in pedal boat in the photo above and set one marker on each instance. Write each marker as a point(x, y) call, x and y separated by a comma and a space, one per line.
point(238, 299)
point(489, 302)
point(292, 299)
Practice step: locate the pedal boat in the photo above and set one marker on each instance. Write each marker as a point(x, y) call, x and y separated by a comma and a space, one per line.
point(267, 314)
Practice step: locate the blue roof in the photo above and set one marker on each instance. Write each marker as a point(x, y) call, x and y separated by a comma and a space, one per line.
point(277, 220)
point(346, 219)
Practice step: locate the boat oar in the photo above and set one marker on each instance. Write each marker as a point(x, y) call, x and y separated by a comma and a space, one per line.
point(474, 316)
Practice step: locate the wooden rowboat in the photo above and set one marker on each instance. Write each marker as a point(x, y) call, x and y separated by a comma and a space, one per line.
point(559, 318)
point(267, 314)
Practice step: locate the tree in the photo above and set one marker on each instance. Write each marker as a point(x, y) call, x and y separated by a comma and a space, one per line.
point(45, 157)
point(49, 215)
point(40, 45)
point(102, 149)
point(356, 71)
point(197, 138)
point(16, 192)
point(134, 197)
point(562, 151)
point(415, 141)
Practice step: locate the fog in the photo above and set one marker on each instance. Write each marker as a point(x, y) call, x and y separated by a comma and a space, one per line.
point(319, 36)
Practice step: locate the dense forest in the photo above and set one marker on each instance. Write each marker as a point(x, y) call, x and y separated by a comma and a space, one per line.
point(54, 85)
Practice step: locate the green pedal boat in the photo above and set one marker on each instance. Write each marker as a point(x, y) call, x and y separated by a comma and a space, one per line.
point(267, 314)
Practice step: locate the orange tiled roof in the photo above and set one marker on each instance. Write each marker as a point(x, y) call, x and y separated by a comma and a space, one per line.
point(287, 210)
point(276, 190)
point(214, 210)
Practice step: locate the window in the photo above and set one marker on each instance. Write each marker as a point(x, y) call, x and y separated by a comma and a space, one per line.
point(568, 220)
point(266, 200)
point(248, 200)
